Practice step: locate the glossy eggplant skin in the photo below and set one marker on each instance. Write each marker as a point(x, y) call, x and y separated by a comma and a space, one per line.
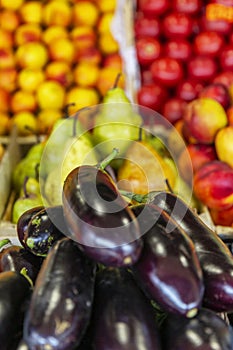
point(15, 258)
point(215, 258)
point(15, 291)
point(23, 221)
point(168, 269)
point(44, 229)
point(205, 331)
point(123, 318)
point(61, 302)
point(99, 219)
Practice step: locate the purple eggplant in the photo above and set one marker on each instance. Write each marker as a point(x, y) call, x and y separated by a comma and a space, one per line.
point(123, 318)
point(15, 258)
point(215, 258)
point(205, 331)
point(15, 291)
point(168, 268)
point(46, 227)
point(99, 219)
point(61, 302)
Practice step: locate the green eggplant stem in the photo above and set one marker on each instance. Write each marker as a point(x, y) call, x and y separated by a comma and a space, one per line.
point(4, 242)
point(24, 272)
point(139, 198)
point(106, 161)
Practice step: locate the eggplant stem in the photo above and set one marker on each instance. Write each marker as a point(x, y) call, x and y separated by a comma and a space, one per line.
point(106, 161)
point(24, 272)
point(4, 242)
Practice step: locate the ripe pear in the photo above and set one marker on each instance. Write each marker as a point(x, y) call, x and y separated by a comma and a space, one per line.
point(116, 123)
point(144, 170)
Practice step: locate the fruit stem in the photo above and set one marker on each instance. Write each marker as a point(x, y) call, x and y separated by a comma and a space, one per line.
point(106, 161)
point(116, 80)
point(66, 110)
point(33, 131)
point(25, 187)
point(4, 242)
point(169, 186)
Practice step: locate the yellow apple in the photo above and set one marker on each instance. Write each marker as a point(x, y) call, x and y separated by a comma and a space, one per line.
point(50, 94)
point(26, 123)
point(27, 32)
point(6, 39)
point(4, 100)
point(83, 37)
point(8, 79)
point(9, 20)
point(47, 118)
point(11, 4)
point(224, 145)
point(86, 74)
point(62, 50)
point(7, 58)
point(31, 12)
point(60, 72)
point(29, 79)
point(52, 33)
point(32, 55)
point(85, 13)
point(4, 123)
point(22, 100)
point(82, 97)
point(57, 13)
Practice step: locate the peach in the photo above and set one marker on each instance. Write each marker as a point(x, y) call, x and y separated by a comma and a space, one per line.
point(224, 145)
point(31, 12)
point(29, 79)
point(90, 55)
point(113, 60)
point(4, 123)
point(62, 50)
point(26, 33)
point(50, 94)
point(32, 55)
point(57, 13)
point(60, 72)
point(107, 44)
point(52, 33)
point(106, 5)
point(23, 101)
point(85, 13)
point(4, 100)
point(83, 37)
point(7, 58)
point(6, 39)
point(25, 122)
point(107, 77)
point(11, 4)
point(203, 118)
point(81, 97)
point(230, 115)
point(104, 23)
point(213, 185)
point(46, 119)
point(222, 217)
point(8, 79)
point(9, 20)
point(86, 74)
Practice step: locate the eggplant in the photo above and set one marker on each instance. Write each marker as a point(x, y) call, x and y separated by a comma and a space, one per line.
point(168, 269)
point(44, 229)
point(123, 318)
point(99, 219)
point(205, 331)
point(15, 258)
point(15, 292)
point(61, 302)
point(215, 258)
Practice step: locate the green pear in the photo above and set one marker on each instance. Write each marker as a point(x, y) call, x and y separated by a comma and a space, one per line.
point(116, 123)
point(53, 188)
point(26, 167)
point(36, 150)
point(32, 187)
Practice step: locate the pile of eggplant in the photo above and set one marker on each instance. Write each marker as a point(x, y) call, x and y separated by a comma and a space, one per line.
point(101, 273)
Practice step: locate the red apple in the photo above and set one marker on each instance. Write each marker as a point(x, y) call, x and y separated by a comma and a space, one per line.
point(218, 92)
point(219, 25)
point(208, 43)
point(152, 8)
point(191, 7)
point(179, 49)
point(188, 90)
point(148, 49)
point(152, 96)
point(173, 109)
point(146, 76)
point(226, 58)
point(214, 188)
point(177, 25)
point(222, 217)
point(202, 68)
point(225, 78)
point(145, 27)
point(167, 71)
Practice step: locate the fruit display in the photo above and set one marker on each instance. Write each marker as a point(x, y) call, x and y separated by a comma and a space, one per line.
point(52, 54)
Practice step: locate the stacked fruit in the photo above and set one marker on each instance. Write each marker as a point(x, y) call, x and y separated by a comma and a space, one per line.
point(53, 53)
point(180, 50)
